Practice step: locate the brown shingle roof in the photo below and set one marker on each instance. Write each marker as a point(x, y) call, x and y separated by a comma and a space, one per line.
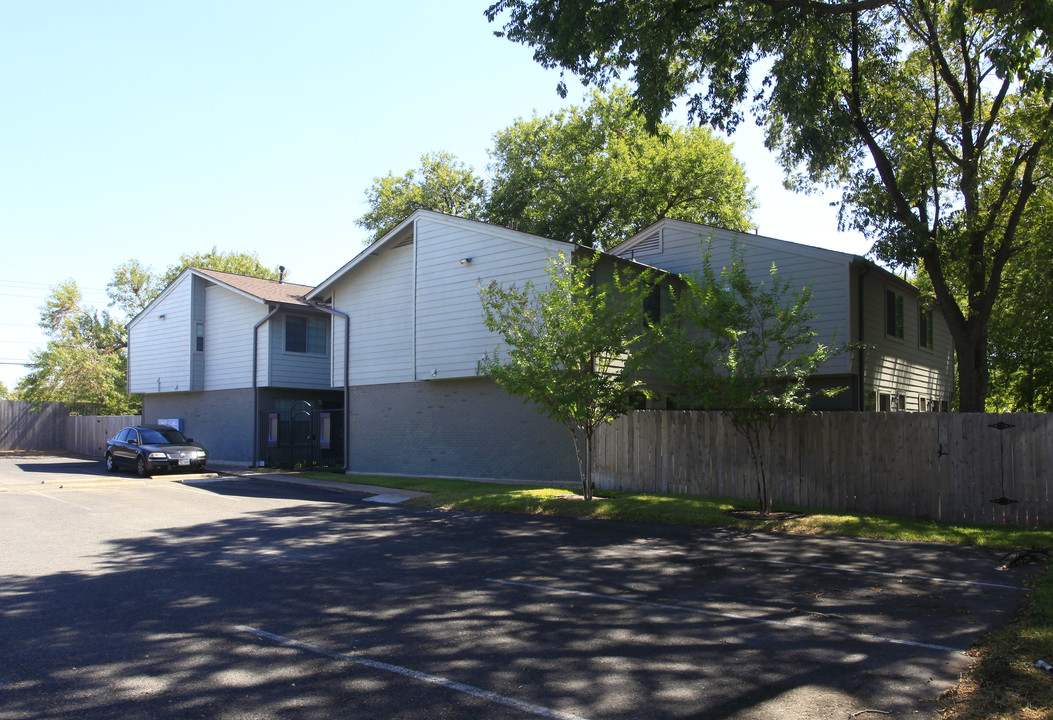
point(270, 291)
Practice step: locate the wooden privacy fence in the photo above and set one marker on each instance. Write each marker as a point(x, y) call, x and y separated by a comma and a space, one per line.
point(939, 466)
point(49, 426)
point(87, 434)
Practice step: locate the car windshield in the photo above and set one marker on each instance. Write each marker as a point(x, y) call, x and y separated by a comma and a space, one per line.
point(161, 437)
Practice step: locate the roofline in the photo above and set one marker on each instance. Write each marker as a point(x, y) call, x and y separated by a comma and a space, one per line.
point(453, 220)
point(160, 296)
point(888, 274)
point(216, 281)
point(625, 244)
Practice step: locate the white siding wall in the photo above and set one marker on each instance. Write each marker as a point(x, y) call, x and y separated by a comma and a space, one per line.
point(827, 273)
point(229, 318)
point(378, 295)
point(160, 349)
point(450, 334)
point(901, 366)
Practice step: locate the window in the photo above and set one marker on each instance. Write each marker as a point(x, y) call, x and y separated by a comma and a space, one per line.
point(925, 328)
point(870, 400)
point(200, 341)
point(893, 313)
point(305, 334)
point(889, 402)
point(272, 429)
point(325, 430)
point(652, 305)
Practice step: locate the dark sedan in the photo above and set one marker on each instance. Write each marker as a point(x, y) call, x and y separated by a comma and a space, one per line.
point(150, 448)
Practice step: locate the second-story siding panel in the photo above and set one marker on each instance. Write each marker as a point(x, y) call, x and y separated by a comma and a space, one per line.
point(378, 295)
point(160, 340)
point(289, 368)
point(227, 340)
point(450, 334)
point(900, 367)
point(826, 272)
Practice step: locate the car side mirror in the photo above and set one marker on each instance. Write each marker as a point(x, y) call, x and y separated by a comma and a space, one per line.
point(133, 441)
point(189, 440)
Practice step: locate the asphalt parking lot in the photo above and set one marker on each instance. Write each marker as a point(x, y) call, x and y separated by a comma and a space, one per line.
point(255, 599)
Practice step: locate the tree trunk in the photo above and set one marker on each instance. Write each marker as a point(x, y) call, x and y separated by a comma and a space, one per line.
point(583, 466)
point(588, 467)
point(970, 350)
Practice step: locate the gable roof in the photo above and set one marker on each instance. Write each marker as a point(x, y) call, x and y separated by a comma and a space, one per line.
point(269, 291)
point(404, 232)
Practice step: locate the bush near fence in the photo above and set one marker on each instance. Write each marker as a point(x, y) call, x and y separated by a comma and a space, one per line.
point(50, 427)
point(939, 466)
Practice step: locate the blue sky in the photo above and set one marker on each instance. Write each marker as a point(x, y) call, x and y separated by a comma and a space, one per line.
point(145, 130)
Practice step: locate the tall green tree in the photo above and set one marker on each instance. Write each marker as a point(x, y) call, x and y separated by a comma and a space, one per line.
point(933, 115)
point(594, 175)
point(442, 183)
point(1021, 338)
point(746, 349)
point(571, 347)
point(84, 361)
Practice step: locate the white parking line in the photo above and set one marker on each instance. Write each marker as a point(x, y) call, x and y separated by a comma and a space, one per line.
point(732, 616)
point(904, 576)
point(538, 710)
point(66, 502)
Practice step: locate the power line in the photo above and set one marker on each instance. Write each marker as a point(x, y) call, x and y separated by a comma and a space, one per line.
point(48, 286)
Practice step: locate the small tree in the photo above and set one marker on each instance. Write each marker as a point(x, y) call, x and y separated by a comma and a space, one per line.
point(573, 347)
point(746, 349)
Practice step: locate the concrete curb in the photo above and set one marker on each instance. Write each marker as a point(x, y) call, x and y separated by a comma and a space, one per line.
point(377, 494)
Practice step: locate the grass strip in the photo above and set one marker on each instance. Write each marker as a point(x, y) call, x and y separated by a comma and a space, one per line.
point(1003, 684)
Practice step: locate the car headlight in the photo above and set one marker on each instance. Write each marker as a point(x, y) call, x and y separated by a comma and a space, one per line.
point(158, 456)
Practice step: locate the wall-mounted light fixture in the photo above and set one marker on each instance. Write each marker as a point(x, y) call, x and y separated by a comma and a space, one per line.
point(161, 316)
point(434, 373)
point(465, 261)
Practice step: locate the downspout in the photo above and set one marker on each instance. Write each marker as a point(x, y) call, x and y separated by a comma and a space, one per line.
point(255, 388)
point(861, 395)
point(413, 310)
point(347, 381)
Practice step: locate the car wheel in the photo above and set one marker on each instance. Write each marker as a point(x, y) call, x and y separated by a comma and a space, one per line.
point(110, 465)
point(140, 467)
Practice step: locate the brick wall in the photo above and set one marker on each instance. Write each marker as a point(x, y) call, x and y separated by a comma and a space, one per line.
point(221, 420)
point(456, 428)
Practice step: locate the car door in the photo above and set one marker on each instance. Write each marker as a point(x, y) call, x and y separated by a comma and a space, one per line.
point(125, 448)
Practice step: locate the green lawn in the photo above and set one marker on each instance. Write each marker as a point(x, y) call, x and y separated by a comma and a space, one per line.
point(1003, 685)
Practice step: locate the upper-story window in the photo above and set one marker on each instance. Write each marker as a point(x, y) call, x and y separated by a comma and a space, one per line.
point(305, 334)
point(893, 314)
point(199, 337)
point(925, 328)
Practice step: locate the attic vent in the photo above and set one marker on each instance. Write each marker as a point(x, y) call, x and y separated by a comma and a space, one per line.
point(648, 245)
point(407, 241)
